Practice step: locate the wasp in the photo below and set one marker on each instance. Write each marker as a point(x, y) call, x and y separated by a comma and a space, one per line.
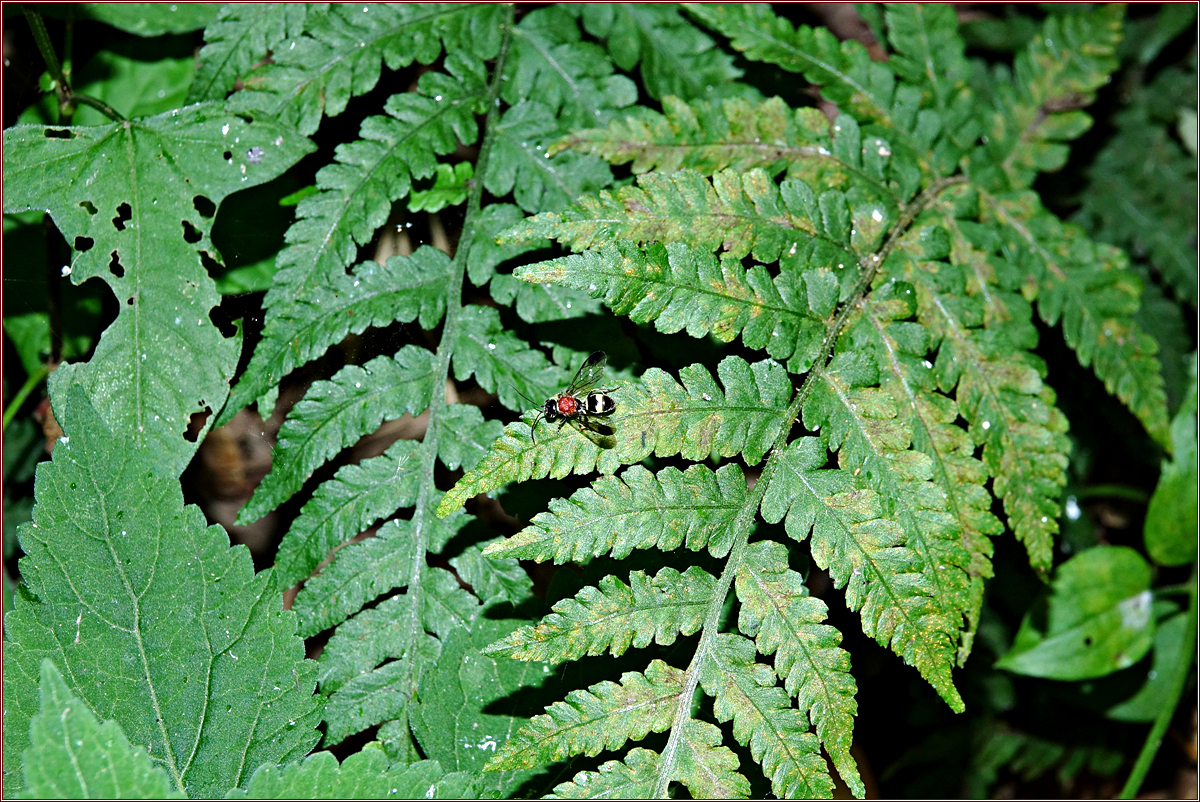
point(580, 402)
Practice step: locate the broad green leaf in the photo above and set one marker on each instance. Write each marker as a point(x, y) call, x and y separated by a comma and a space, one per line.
point(1170, 526)
point(639, 509)
point(1097, 620)
point(658, 416)
point(189, 652)
point(114, 192)
point(71, 754)
point(1170, 660)
point(152, 19)
point(334, 414)
point(614, 616)
point(366, 774)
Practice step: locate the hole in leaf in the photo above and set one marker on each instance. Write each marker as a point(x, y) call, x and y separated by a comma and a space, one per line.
point(223, 321)
point(84, 243)
point(203, 205)
point(1087, 641)
point(58, 133)
point(191, 234)
point(88, 206)
point(115, 267)
point(210, 264)
point(124, 215)
point(227, 155)
point(129, 301)
point(196, 423)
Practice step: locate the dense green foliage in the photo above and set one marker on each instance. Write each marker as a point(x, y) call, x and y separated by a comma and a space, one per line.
point(896, 319)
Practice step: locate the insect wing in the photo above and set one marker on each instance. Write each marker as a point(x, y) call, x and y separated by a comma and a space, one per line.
point(589, 373)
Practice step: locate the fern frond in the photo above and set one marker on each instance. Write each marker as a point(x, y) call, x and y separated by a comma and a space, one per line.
point(369, 639)
point(550, 62)
point(740, 135)
point(843, 70)
point(745, 213)
point(345, 505)
point(541, 303)
point(638, 510)
point(522, 163)
point(785, 621)
point(334, 414)
point(678, 287)
point(500, 361)
point(356, 195)
point(632, 778)
point(708, 769)
point(341, 52)
point(604, 716)
point(382, 694)
point(493, 578)
point(863, 549)
point(1089, 288)
point(905, 374)
point(999, 391)
point(763, 719)
point(472, 436)
point(658, 416)
point(928, 50)
point(1037, 108)
point(676, 57)
point(613, 616)
point(241, 36)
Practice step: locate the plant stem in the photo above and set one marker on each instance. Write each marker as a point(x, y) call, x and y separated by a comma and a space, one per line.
point(30, 383)
point(67, 98)
point(1165, 713)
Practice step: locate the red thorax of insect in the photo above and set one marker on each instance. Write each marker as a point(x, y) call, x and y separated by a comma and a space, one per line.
point(582, 402)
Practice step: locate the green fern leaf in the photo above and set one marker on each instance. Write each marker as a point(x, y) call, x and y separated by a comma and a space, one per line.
point(340, 55)
point(709, 770)
point(369, 639)
point(659, 417)
point(1037, 108)
point(493, 578)
point(345, 505)
point(1089, 288)
point(678, 287)
point(500, 361)
point(541, 303)
point(485, 253)
point(676, 58)
point(355, 199)
point(844, 70)
point(521, 162)
point(550, 63)
point(786, 622)
point(614, 616)
point(744, 213)
point(928, 50)
point(632, 778)
point(383, 694)
point(471, 436)
point(334, 414)
point(905, 374)
point(241, 36)
point(451, 185)
point(864, 552)
point(638, 510)
point(763, 719)
point(604, 716)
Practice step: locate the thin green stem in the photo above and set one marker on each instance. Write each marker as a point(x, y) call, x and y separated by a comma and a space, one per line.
point(1167, 711)
point(99, 105)
point(68, 99)
point(743, 524)
point(33, 381)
